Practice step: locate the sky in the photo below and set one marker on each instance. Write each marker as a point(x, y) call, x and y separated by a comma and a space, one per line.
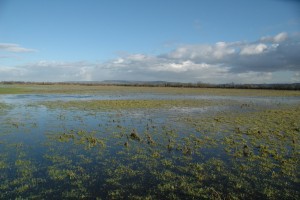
point(209, 41)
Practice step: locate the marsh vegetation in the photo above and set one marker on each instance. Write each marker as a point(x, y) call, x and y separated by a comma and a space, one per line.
point(97, 142)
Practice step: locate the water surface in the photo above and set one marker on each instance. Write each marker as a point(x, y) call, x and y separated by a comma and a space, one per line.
point(236, 147)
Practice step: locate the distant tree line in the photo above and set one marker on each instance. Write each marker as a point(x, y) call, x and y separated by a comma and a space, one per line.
point(279, 86)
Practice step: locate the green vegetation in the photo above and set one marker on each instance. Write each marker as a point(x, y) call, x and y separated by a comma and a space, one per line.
point(129, 104)
point(3, 106)
point(152, 148)
point(120, 90)
point(12, 90)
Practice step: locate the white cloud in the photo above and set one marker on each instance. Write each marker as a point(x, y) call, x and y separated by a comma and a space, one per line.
point(260, 61)
point(281, 37)
point(222, 49)
point(118, 61)
point(253, 49)
point(137, 57)
point(296, 77)
point(11, 73)
point(49, 71)
point(174, 67)
point(205, 53)
point(15, 48)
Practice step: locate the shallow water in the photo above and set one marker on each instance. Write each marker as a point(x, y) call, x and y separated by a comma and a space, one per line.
point(158, 153)
point(31, 98)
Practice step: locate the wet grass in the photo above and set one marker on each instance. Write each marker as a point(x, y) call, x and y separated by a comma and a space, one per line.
point(144, 149)
point(262, 147)
point(130, 104)
point(4, 108)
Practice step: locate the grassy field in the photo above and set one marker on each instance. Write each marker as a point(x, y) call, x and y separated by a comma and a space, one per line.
point(82, 89)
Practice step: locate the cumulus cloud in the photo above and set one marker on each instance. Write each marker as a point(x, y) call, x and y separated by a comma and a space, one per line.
point(238, 61)
point(281, 37)
point(223, 62)
point(202, 53)
point(15, 48)
point(253, 49)
point(268, 54)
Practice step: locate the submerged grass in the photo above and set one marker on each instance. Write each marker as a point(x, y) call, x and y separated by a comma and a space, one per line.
point(244, 152)
point(4, 107)
point(263, 147)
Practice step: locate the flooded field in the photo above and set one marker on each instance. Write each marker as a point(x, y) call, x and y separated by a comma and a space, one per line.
point(109, 142)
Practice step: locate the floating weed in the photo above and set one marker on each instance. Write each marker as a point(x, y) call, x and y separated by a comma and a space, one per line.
point(134, 135)
point(81, 137)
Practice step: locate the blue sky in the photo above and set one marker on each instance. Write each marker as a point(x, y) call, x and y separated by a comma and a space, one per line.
point(213, 41)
